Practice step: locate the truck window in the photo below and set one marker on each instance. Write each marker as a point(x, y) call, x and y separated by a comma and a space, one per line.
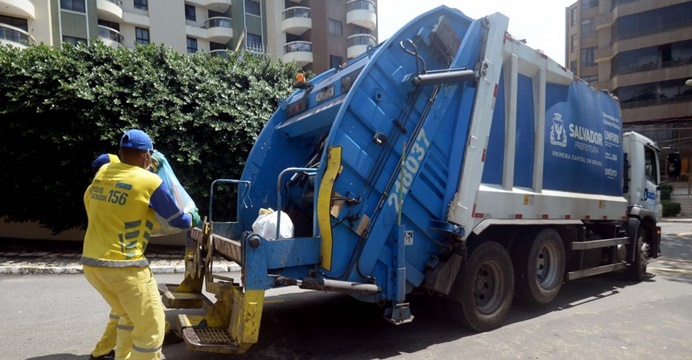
point(650, 167)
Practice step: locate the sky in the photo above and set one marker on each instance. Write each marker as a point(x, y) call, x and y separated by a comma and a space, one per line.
point(540, 22)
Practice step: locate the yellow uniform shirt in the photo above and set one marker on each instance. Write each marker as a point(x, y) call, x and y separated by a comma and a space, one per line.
point(120, 203)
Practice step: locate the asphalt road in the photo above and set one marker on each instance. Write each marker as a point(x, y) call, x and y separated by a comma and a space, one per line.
point(51, 317)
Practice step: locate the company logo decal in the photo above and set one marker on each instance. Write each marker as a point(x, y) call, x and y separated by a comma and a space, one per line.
point(558, 134)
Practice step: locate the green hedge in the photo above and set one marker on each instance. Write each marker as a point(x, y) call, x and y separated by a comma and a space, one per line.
point(666, 190)
point(59, 109)
point(670, 209)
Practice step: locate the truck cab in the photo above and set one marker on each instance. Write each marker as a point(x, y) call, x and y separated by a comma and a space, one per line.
point(643, 178)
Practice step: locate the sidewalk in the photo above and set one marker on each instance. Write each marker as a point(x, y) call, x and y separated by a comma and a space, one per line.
point(26, 257)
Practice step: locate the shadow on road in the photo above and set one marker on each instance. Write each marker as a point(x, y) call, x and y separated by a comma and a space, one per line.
point(61, 357)
point(317, 325)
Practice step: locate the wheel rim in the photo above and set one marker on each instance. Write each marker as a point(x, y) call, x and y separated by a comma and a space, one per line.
point(487, 285)
point(546, 265)
point(644, 253)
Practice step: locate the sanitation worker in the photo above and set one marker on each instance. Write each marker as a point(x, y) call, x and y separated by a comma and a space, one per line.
point(120, 205)
point(105, 346)
point(104, 159)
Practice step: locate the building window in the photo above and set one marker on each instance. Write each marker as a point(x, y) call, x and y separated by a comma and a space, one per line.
point(587, 58)
point(254, 43)
point(110, 24)
point(252, 8)
point(141, 4)
point(573, 17)
point(74, 40)
point(16, 22)
point(141, 36)
point(588, 4)
point(590, 79)
point(587, 28)
point(335, 61)
point(335, 27)
point(191, 45)
point(74, 5)
point(216, 46)
point(190, 13)
point(573, 66)
point(573, 43)
point(254, 39)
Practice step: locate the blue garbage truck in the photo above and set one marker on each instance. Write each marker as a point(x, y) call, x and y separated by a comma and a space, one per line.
point(451, 158)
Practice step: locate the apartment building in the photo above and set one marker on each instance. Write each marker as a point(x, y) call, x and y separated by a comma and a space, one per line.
point(316, 34)
point(321, 34)
point(640, 50)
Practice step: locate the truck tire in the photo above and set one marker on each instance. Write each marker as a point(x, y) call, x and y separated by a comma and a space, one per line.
point(540, 269)
point(637, 269)
point(484, 289)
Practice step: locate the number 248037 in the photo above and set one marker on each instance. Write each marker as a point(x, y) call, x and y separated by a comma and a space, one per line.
point(409, 169)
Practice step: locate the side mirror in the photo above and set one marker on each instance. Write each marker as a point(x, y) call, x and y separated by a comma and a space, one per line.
point(673, 168)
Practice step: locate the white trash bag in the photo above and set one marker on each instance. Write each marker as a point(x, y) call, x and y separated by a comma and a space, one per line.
point(265, 225)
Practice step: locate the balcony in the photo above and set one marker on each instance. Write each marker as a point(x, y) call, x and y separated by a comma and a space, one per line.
point(222, 53)
point(111, 37)
point(110, 10)
point(603, 54)
point(678, 107)
point(219, 29)
point(298, 51)
point(214, 5)
point(218, 5)
point(358, 44)
point(18, 8)
point(14, 36)
point(361, 13)
point(604, 20)
point(296, 20)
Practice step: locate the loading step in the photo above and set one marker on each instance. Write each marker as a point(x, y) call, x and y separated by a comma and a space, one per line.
point(172, 298)
point(210, 339)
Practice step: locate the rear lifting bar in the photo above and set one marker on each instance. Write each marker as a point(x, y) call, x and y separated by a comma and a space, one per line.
point(445, 77)
point(318, 283)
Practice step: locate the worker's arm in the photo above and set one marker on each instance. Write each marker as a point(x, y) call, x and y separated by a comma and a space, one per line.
point(163, 203)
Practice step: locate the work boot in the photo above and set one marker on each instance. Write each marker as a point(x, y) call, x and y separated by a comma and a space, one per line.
point(110, 355)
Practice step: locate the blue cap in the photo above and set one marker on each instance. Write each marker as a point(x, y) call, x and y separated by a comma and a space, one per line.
point(136, 139)
point(100, 161)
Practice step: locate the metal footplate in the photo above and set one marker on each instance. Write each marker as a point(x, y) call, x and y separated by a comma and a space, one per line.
point(172, 298)
point(188, 294)
point(216, 340)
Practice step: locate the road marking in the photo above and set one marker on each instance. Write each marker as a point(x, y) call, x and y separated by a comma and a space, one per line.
point(684, 234)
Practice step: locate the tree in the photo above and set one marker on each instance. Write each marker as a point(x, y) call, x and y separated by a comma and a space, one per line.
point(59, 109)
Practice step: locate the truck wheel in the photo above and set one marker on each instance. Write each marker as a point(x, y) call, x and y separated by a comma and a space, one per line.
point(637, 269)
point(540, 269)
point(484, 289)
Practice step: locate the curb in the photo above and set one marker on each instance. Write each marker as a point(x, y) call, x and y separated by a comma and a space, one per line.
point(55, 270)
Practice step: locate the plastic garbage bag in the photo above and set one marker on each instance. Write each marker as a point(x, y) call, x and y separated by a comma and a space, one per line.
point(265, 225)
point(161, 167)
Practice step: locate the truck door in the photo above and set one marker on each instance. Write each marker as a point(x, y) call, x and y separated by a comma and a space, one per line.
point(650, 197)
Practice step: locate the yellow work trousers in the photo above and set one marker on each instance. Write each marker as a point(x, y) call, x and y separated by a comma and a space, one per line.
point(133, 296)
point(107, 341)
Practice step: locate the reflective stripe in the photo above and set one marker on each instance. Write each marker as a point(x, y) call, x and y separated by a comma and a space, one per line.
point(113, 263)
point(143, 350)
point(174, 216)
point(149, 225)
point(125, 327)
point(113, 316)
point(133, 224)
